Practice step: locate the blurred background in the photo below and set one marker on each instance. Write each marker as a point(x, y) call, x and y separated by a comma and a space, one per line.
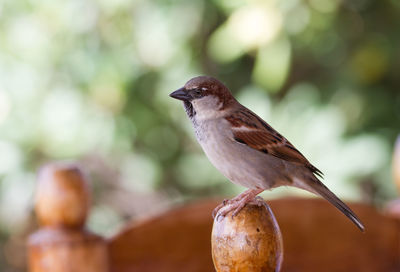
point(88, 81)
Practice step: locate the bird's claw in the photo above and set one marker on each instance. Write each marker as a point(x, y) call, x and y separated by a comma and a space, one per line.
point(261, 202)
point(236, 205)
point(215, 212)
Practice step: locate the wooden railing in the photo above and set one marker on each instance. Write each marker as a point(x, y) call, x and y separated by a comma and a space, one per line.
point(316, 237)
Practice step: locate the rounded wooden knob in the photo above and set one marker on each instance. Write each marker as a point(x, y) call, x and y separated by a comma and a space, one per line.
point(249, 242)
point(62, 196)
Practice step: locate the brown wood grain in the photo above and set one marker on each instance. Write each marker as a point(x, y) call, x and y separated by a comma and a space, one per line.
point(178, 240)
point(316, 237)
point(249, 242)
point(62, 196)
point(63, 244)
point(319, 238)
point(67, 250)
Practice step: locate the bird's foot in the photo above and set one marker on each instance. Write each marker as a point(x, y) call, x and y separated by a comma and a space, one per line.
point(236, 204)
point(224, 202)
point(259, 201)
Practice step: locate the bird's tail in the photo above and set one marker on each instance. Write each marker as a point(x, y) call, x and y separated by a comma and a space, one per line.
point(315, 186)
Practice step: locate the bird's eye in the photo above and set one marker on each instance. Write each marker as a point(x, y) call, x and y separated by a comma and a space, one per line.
point(197, 92)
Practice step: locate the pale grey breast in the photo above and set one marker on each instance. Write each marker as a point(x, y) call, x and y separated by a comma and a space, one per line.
point(239, 163)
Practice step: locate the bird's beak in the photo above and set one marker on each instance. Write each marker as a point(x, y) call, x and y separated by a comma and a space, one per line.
point(180, 94)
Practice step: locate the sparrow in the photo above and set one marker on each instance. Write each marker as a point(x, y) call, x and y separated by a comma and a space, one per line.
point(246, 149)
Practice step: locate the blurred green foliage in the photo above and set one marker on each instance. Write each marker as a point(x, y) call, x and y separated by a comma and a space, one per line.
point(89, 81)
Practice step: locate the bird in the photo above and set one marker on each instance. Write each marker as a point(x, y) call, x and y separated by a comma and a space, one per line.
point(246, 149)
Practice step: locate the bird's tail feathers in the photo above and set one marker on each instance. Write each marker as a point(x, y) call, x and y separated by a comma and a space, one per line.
point(315, 186)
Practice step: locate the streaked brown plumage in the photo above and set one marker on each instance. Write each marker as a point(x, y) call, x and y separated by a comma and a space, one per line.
point(246, 149)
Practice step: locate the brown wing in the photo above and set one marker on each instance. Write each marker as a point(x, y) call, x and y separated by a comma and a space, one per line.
point(251, 130)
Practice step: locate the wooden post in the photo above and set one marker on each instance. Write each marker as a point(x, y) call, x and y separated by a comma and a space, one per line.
point(63, 244)
point(249, 242)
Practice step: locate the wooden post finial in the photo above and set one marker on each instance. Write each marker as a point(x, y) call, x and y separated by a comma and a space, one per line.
point(62, 196)
point(63, 244)
point(250, 241)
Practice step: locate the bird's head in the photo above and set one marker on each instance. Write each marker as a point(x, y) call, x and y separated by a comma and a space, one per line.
point(205, 94)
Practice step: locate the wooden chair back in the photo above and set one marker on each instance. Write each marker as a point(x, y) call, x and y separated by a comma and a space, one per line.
point(316, 237)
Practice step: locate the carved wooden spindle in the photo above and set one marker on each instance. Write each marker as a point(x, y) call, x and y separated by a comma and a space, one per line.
point(63, 244)
point(249, 242)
